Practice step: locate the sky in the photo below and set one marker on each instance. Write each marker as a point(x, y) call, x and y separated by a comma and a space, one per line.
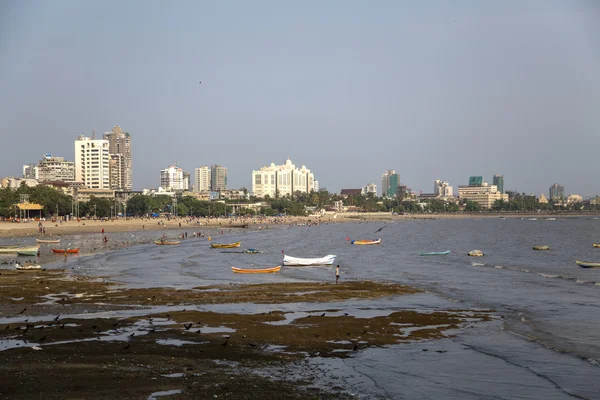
point(433, 90)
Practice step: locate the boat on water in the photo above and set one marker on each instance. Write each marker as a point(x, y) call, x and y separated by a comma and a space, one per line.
point(365, 242)
point(532, 219)
point(435, 253)
point(329, 259)
point(252, 251)
point(550, 219)
point(17, 249)
point(47, 240)
point(596, 244)
point(166, 242)
point(28, 252)
point(66, 251)
point(28, 266)
point(475, 253)
point(225, 245)
point(541, 247)
point(256, 271)
point(588, 264)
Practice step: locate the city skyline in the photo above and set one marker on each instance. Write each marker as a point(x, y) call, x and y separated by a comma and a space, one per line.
point(434, 92)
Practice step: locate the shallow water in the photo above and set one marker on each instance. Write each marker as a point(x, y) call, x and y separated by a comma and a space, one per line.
point(546, 346)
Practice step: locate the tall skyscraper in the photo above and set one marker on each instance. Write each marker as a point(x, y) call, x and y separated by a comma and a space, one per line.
point(120, 144)
point(92, 162)
point(186, 181)
point(390, 181)
point(202, 179)
point(218, 178)
point(172, 178)
point(557, 192)
point(499, 181)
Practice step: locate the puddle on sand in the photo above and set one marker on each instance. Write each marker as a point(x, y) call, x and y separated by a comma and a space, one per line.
point(218, 329)
point(7, 344)
point(153, 396)
point(176, 342)
point(175, 375)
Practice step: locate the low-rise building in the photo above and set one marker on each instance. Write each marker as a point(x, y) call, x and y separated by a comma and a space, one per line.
point(350, 192)
point(574, 198)
point(369, 188)
point(280, 180)
point(485, 195)
point(85, 194)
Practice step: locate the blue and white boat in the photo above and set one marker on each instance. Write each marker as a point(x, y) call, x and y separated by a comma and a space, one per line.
point(435, 253)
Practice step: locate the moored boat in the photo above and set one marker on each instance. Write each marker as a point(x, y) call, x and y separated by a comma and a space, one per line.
point(17, 249)
point(252, 251)
point(475, 253)
point(29, 252)
point(255, 271)
point(166, 242)
point(588, 264)
point(596, 244)
point(225, 245)
point(541, 247)
point(435, 253)
point(27, 266)
point(299, 262)
point(68, 251)
point(365, 242)
point(47, 240)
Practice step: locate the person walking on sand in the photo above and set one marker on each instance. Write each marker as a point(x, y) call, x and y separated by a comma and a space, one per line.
point(337, 274)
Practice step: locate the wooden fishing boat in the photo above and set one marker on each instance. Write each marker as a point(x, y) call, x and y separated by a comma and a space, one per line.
point(252, 251)
point(225, 246)
point(541, 247)
point(31, 252)
point(256, 271)
point(166, 242)
point(435, 253)
point(16, 249)
point(365, 242)
point(475, 253)
point(588, 264)
point(304, 262)
point(596, 244)
point(27, 266)
point(67, 251)
point(8, 246)
point(47, 240)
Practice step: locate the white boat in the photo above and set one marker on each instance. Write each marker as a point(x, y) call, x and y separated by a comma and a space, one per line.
point(295, 261)
point(47, 240)
point(28, 266)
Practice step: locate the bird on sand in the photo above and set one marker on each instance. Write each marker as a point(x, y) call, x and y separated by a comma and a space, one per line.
point(187, 326)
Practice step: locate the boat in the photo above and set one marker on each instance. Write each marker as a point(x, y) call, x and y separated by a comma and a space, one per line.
point(475, 253)
point(363, 242)
point(435, 253)
point(66, 251)
point(16, 249)
point(8, 246)
point(252, 251)
point(550, 219)
point(596, 244)
point(166, 242)
point(541, 247)
point(244, 225)
point(532, 219)
point(47, 240)
point(256, 271)
point(28, 252)
point(225, 246)
point(294, 261)
point(587, 264)
point(27, 266)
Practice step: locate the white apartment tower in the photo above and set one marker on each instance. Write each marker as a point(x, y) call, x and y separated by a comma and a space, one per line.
point(120, 165)
point(369, 188)
point(92, 160)
point(172, 178)
point(280, 180)
point(218, 178)
point(202, 179)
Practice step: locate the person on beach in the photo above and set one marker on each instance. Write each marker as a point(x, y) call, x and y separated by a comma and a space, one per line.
point(337, 274)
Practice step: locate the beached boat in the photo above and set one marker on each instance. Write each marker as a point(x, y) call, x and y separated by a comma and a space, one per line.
point(237, 225)
point(28, 252)
point(8, 246)
point(587, 264)
point(435, 253)
point(225, 246)
point(596, 244)
point(295, 261)
point(27, 266)
point(166, 242)
point(256, 271)
point(475, 253)
point(47, 240)
point(252, 251)
point(17, 249)
point(541, 247)
point(364, 242)
point(67, 251)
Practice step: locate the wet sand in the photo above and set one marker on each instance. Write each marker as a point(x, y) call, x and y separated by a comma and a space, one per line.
point(84, 337)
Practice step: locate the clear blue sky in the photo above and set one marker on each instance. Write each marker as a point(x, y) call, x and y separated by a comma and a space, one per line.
point(434, 90)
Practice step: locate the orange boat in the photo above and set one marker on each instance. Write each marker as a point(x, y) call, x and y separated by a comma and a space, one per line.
point(69, 251)
point(256, 271)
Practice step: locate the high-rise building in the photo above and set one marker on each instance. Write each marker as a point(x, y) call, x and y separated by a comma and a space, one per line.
point(280, 180)
point(442, 188)
point(475, 180)
point(30, 171)
point(369, 188)
point(390, 181)
point(202, 179)
point(499, 181)
point(92, 162)
point(315, 185)
point(557, 192)
point(120, 167)
point(186, 181)
point(218, 178)
point(172, 178)
point(55, 169)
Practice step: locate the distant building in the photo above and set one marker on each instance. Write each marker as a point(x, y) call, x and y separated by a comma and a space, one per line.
point(316, 186)
point(574, 198)
point(172, 178)
point(369, 188)
point(92, 162)
point(485, 195)
point(475, 180)
point(218, 178)
point(119, 147)
point(52, 169)
point(85, 194)
point(202, 179)
point(234, 194)
point(280, 180)
point(30, 171)
point(557, 192)
point(542, 199)
point(350, 192)
point(390, 181)
point(14, 183)
point(499, 182)
point(442, 188)
point(595, 201)
point(187, 181)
